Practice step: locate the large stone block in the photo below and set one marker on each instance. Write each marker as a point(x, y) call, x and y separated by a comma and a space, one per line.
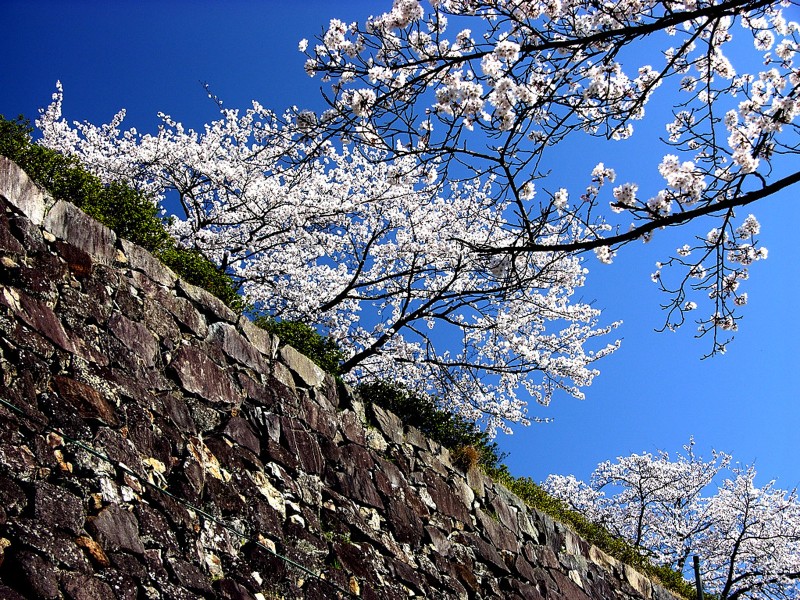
point(308, 373)
point(200, 375)
point(22, 192)
point(70, 223)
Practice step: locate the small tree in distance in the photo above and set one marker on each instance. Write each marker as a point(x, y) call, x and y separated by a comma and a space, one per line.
point(486, 89)
point(747, 537)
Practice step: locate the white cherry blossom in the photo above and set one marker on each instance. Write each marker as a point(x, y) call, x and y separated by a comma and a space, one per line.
point(520, 76)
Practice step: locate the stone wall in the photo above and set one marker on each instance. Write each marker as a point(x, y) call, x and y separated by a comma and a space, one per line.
point(166, 448)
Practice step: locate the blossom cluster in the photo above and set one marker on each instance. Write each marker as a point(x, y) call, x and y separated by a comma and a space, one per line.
point(517, 77)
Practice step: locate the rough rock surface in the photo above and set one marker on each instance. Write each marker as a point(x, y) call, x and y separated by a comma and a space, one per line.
point(163, 448)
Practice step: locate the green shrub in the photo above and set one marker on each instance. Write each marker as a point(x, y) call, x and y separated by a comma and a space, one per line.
point(131, 214)
point(323, 350)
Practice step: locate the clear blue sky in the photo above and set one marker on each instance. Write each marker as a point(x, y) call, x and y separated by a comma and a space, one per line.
point(654, 393)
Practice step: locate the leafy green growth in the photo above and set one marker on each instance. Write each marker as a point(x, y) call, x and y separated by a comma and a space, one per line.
point(131, 214)
point(420, 411)
point(323, 350)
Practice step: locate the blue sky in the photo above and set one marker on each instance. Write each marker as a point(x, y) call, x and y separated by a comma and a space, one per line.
point(654, 393)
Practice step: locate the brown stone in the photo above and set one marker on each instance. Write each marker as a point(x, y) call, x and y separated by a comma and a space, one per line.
point(405, 523)
point(488, 553)
point(303, 445)
point(38, 315)
point(38, 575)
point(94, 550)
point(8, 243)
point(200, 375)
point(79, 586)
point(136, 338)
point(447, 502)
point(58, 508)
point(497, 534)
point(117, 529)
point(189, 576)
point(78, 261)
point(87, 400)
point(352, 427)
point(183, 311)
point(240, 432)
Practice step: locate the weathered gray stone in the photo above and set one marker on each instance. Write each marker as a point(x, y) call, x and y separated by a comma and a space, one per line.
point(22, 192)
point(265, 342)
point(55, 546)
point(236, 346)
point(68, 222)
point(282, 374)
point(388, 423)
point(414, 437)
point(141, 260)
point(207, 302)
point(308, 374)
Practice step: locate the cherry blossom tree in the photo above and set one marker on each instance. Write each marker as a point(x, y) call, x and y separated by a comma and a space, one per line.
point(489, 88)
point(377, 251)
point(748, 537)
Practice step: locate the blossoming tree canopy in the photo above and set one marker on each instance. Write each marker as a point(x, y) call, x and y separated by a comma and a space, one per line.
point(748, 537)
point(375, 248)
point(486, 89)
